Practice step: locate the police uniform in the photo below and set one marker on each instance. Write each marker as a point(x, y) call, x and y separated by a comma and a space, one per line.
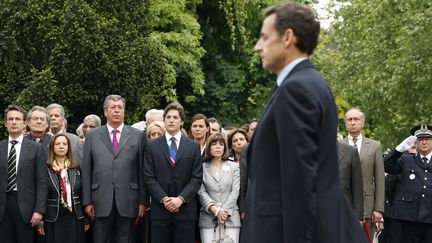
point(412, 203)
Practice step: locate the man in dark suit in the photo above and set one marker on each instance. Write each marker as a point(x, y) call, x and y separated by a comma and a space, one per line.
point(351, 177)
point(38, 121)
point(173, 175)
point(23, 181)
point(113, 190)
point(413, 199)
point(294, 192)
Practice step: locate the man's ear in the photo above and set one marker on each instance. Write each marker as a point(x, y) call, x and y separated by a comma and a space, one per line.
point(289, 38)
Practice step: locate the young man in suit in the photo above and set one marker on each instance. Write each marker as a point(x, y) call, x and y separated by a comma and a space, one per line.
point(23, 181)
point(173, 176)
point(294, 192)
point(113, 190)
point(372, 166)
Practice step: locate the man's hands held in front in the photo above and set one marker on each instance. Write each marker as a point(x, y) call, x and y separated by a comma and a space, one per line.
point(173, 204)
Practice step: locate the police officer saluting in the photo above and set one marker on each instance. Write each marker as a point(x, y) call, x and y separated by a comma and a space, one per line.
point(413, 202)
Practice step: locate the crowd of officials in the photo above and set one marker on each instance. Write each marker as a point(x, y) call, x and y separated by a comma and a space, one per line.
point(119, 183)
point(157, 182)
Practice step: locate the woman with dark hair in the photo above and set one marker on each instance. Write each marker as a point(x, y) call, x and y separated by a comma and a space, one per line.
point(64, 220)
point(200, 130)
point(219, 192)
point(236, 140)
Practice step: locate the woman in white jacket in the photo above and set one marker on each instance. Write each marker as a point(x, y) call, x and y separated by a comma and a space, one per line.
point(219, 192)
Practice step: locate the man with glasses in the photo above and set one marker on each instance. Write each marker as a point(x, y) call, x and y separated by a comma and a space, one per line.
point(38, 122)
point(113, 191)
point(23, 181)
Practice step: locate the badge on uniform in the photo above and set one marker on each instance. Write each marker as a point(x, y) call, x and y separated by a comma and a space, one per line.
point(412, 176)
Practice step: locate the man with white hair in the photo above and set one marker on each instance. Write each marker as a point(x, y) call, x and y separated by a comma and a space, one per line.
point(151, 116)
point(57, 115)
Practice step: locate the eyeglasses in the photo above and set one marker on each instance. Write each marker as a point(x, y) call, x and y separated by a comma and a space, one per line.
point(42, 119)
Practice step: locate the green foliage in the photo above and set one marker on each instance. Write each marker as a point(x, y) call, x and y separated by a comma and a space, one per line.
point(382, 63)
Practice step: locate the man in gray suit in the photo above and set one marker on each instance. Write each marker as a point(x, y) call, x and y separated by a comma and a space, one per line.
point(372, 166)
point(113, 191)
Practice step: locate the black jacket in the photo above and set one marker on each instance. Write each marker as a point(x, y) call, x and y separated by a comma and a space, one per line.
point(54, 195)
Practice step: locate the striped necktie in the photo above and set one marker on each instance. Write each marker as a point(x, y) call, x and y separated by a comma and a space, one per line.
point(11, 182)
point(173, 151)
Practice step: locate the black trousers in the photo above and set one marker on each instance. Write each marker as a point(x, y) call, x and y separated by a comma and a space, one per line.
point(172, 231)
point(413, 232)
point(13, 229)
point(114, 228)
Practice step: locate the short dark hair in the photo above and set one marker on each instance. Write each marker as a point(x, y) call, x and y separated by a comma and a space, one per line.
point(301, 20)
point(197, 117)
point(250, 122)
point(214, 120)
point(13, 108)
point(217, 137)
point(175, 106)
point(235, 131)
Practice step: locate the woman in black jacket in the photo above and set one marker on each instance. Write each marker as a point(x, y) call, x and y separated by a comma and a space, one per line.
point(64, 220)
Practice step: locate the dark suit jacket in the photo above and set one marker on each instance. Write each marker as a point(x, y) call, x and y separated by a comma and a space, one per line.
point(45, 141)
point(183, 180)
point(109, 176)
point(413, 200)
point(294, 192)
point(243, 179)
point(31, 179)
point(351, 176)
point(54, 196)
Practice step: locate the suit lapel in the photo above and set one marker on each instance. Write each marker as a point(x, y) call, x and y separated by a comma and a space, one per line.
point(341, 153)
point(105, 138)
point(54, 180)
point(124, 137)
point(23, 153)
point(163, 146)
point(181, 148)
point(210, 171)
point(364, 148)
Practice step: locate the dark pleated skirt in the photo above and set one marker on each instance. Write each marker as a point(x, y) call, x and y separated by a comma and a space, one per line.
point(67, 228)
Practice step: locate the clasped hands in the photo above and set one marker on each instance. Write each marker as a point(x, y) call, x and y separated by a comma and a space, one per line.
point(173, 204)
point(221, 214)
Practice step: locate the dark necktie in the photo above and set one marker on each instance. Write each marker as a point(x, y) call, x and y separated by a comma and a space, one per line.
point(425, 160)
point(115, 141)
point(355, 142)
point(173, 152)
point(12, 167)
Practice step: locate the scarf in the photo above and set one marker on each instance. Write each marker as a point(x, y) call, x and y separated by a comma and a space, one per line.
point(61, 171)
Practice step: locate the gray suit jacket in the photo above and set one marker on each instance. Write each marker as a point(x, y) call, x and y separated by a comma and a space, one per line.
point(372, 164)
point(109, 176)
point(222, 191)
point(351, 176)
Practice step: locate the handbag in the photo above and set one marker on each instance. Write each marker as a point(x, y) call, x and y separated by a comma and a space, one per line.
point(221, 238)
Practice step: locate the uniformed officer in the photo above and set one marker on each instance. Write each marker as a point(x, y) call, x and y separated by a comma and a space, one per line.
point(412, 203)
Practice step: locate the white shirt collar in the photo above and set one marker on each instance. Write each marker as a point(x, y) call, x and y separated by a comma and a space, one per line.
point(177, 137)
point(288, 68)
point(427, 156)
point(119, 129)
point(18, 139)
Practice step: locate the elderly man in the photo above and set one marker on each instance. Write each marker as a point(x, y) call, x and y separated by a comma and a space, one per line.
point(38, 122)
point(412, 202)
point(372, 167)
point(57, 116)
point(151, 116)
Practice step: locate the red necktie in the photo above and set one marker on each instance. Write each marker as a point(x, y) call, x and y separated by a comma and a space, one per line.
point(114, 141)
